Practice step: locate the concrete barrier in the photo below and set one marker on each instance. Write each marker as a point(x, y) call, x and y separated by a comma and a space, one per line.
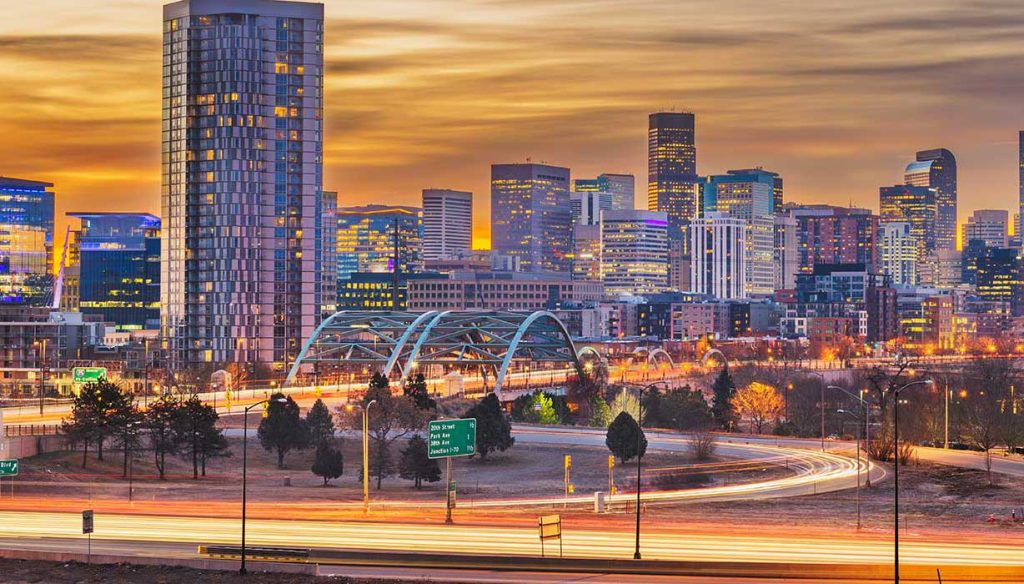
point(196, 563)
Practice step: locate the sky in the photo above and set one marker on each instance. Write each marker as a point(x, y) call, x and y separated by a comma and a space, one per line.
point(836, 95)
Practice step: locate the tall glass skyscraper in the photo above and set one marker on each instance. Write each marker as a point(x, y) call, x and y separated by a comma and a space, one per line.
point(366, 239)
point(915, 205)
point(531, 220)
point(242, 179)
point(672, 170)
point(26, 241)
point(119, 261)
point(447, 224)
point(936, 169)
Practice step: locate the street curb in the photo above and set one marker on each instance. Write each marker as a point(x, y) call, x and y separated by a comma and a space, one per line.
point(197, 563)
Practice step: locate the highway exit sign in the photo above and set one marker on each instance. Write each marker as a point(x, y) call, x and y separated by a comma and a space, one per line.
point(8, 468)
point(451, 438)
point(88, 374)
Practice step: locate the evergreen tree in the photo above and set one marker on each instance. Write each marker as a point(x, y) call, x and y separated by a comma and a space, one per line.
point(126, 422)
point(493, 430)
point(328, 462)
point(283, 429)
point(721, 404)
point(621, 439)
point(600, 413)
point(320, 424)
point(416, 388)
point(201, 438)
point(81, 427)
point(416, 466)
point(540, 409)
point(163, 430)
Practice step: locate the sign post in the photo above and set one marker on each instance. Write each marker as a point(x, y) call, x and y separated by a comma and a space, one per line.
point(447, 439)
point(87, 530)
point(550, 528)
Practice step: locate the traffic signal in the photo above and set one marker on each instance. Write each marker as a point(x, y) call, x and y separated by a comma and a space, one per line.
point(611, 461)
point(266, 409)
point(568, 461)
point(572, 488)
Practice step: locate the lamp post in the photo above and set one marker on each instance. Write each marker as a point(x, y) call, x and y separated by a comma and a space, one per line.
point(245, 441)
point(366, 454)
point(639, 443)
point(854, 416)
point(896, 472)
point(131, 461)
point(823, 385)
point(867, 417)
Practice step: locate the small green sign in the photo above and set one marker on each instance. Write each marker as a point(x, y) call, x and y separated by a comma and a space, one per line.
point(88, 374)
point(8, 468)
point(451, 438)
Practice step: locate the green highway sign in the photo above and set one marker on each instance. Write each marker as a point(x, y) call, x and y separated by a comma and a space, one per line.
point(8, 468)
point(451, 438)
point(88, 374)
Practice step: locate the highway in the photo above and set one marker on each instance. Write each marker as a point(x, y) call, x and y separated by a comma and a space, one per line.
point(139, 532)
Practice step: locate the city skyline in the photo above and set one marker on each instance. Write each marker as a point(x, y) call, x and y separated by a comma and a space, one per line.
point(793, 90)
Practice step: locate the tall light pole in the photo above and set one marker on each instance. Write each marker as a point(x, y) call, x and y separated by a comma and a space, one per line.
point(42, 372)
point(366, 454)
point(896, 473)
point(245, 442)
point(821, 377)
point(867, 418)
point(639, 443)
point(854, 416)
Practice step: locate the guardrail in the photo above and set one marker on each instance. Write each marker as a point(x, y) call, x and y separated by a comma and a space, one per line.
point(32, 430)
point(266, 554)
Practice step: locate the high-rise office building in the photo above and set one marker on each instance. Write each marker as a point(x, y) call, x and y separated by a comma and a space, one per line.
point(787, 252)
point(621, 187)
point(586, 252)
point(899, 253)
point(26, 241)
point(586, 207)
point(835, 235)
point(327, 253)
point(1020, 183)
point(1000, 278)
point(634, 252)
point(242, 178)
point(719, 266)
point(936, 169)
point(741, 193)
point(916, 205)
point(119, 262)
point(531, 221)
point(447, 224)
point(989, 225)
point(366, 239)
point(672, 170)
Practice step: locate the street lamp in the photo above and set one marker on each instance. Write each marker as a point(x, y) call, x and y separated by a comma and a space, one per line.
point(855, 417)
point(131, 459)
point(639, 443)
point(867, 418)
point(245, 442)
point(366, 453)
point(823, 385)
point(896, 472)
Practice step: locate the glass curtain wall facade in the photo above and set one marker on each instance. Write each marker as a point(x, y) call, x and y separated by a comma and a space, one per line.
point(914, 205)
point(936, 169)
point(366, 239)
point(119, 260)
point(672, 170)
point(242, 178)
point(26, 241)
point(531, 220)
point(634, 252)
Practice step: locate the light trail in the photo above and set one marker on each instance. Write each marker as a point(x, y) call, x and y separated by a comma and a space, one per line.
point(657, 543)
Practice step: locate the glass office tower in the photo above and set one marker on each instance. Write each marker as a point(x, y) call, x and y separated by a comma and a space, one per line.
point(119, 263)
point(242, 179)
point(672, 170)
point(366, 239)
point(26, 241)
point(531, 220)
point(936, 169)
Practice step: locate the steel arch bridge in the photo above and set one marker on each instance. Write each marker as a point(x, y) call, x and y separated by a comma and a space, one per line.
point(399, 342)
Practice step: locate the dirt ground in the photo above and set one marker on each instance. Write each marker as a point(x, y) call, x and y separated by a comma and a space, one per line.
point(522, 471)
point(24, 571)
